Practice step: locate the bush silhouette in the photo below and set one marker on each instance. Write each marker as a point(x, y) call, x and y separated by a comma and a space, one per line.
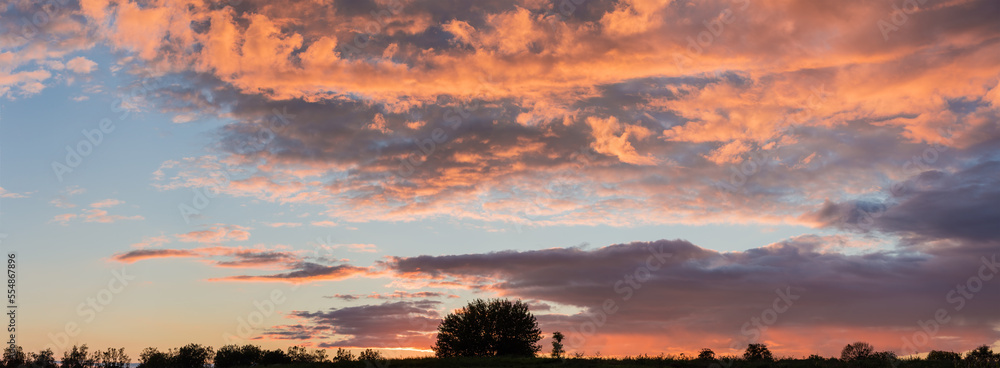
point(944, 355)
point(757, 352)
point(857, 351)
point(112, 358)
point(238, 356)
point(14, 357)
point(369, 355)
point(275, 356)
point(496, 327)
point(77, 357)
point(706, 354)
point(193, 356)
point(154, 358)
point(343, 355)
point(982, 357)
point(43, 359)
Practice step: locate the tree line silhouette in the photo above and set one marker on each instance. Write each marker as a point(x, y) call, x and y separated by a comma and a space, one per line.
point(494, 329)
point(188, 356)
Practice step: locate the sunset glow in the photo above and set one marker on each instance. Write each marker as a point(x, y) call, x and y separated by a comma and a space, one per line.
point(650, 176)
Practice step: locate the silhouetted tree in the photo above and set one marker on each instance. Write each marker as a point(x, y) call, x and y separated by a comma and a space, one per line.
point(238, 356)
point(706, 354)
point(193, 356)
point(43, 359)
point(154, 358)
point(857, 351)
point(77, 357)
point(557, 346)
point(298, 354)
point(496, 327)
point(982, 357)
point(944, 355)
point(275, 356)
point(757, 352)
point(343, 355)
point(369, 355)
point(111, 358)
point(14, 357)
point(884, 356)
point(319, 356)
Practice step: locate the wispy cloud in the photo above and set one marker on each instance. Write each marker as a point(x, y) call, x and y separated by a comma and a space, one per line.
point(11, 195)
point(216, 234)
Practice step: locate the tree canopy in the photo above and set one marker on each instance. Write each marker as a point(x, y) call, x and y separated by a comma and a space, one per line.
point(496, 327)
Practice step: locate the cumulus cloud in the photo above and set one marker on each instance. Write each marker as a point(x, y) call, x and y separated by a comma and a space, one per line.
point(81, 65)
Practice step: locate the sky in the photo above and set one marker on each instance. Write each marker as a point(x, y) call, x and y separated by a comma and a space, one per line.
point(650, 176)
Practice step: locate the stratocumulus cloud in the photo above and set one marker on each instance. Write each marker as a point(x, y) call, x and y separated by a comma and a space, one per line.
point(390, 116)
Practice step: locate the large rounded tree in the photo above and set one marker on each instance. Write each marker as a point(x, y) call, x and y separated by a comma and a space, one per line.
point(497, 327)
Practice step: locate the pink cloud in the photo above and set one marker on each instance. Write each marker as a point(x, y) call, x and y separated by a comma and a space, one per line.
point(216, 234)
